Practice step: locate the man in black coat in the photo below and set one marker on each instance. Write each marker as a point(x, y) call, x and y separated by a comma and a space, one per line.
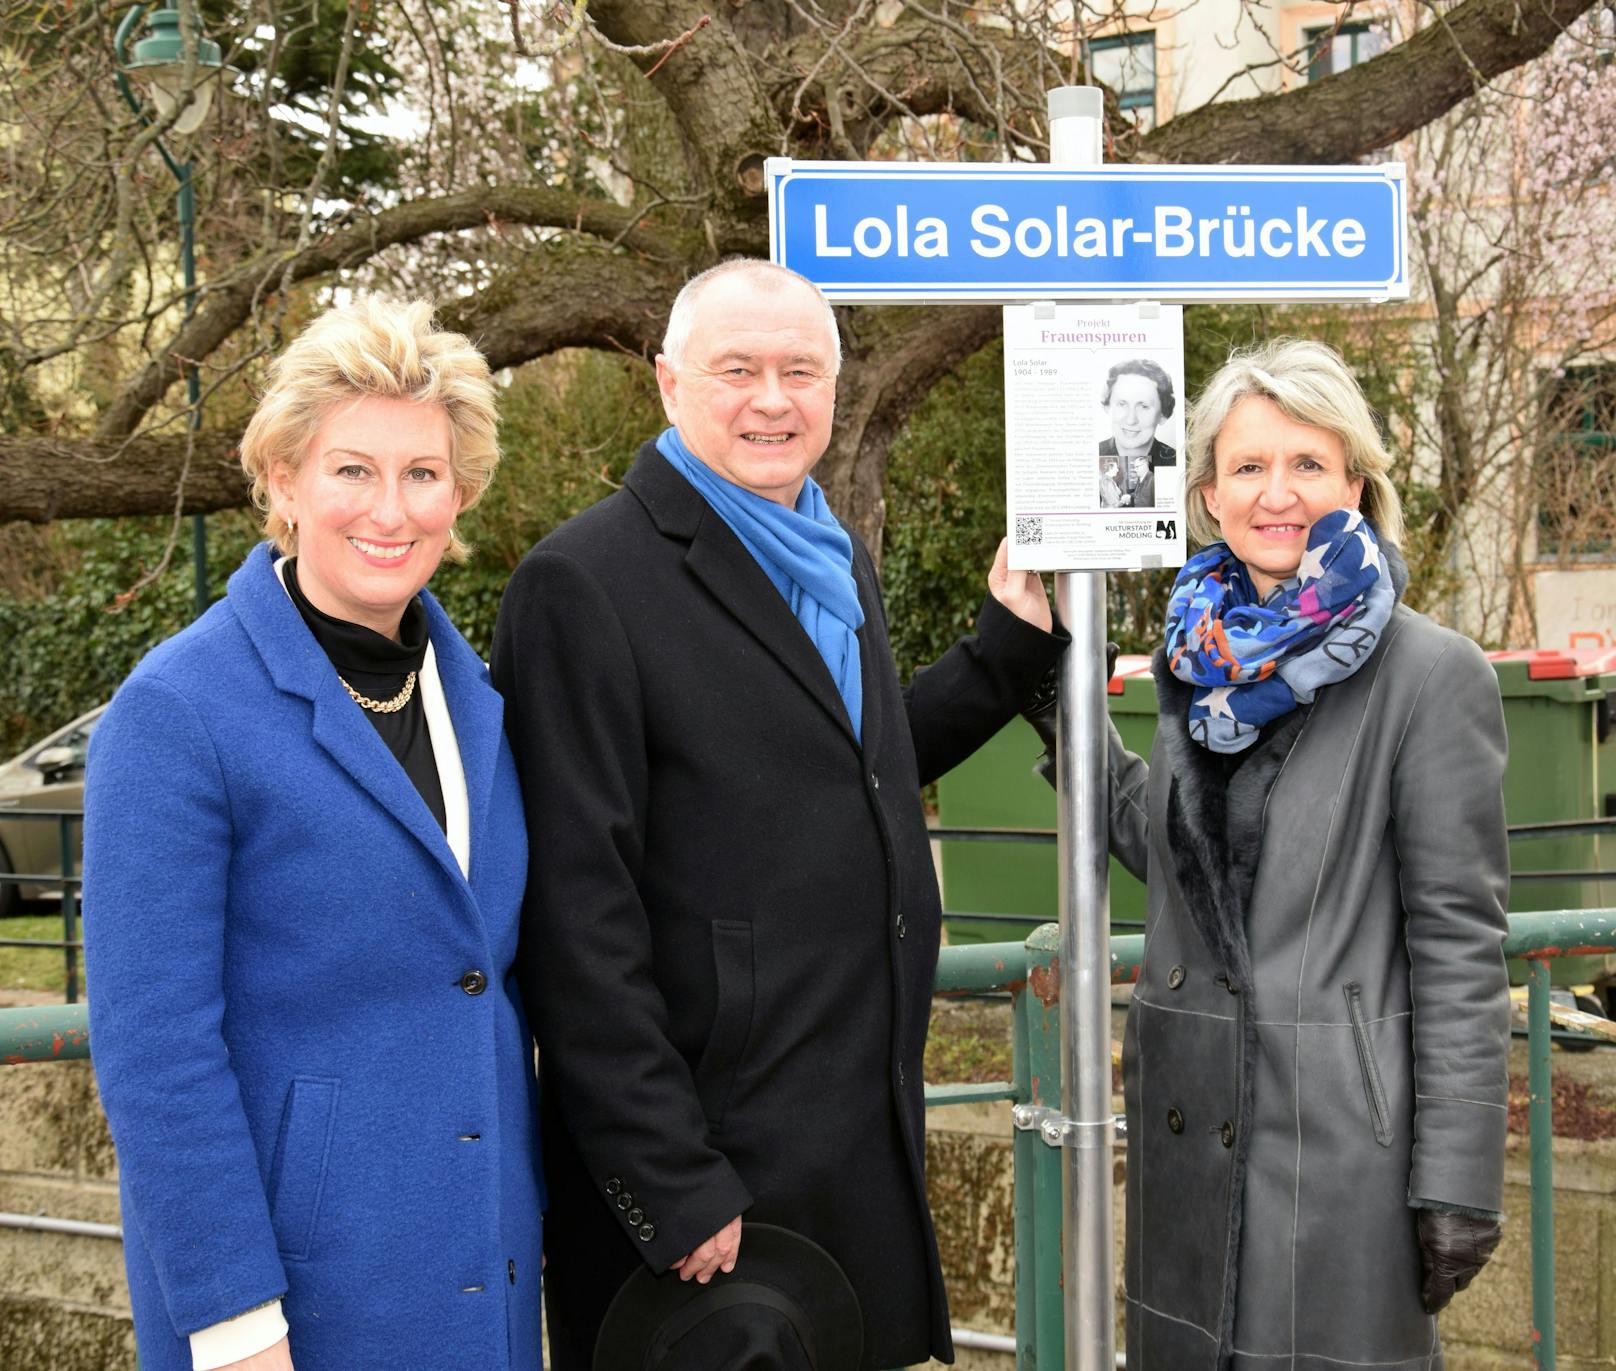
point(732, 917)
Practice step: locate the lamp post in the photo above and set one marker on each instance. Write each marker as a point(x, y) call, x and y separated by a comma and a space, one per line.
point(162, 62)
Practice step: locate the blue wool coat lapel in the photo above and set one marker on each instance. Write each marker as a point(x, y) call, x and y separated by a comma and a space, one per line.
point(298, 666)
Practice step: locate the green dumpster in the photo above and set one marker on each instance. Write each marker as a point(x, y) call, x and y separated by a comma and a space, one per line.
point(1562, 767)
point(996, 889)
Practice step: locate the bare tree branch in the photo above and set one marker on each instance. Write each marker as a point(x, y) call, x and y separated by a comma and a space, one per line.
point(1373, 104)
point(75, 478)
point(565, 298)
point(714, 89)
point(921, 65)
point(570, 299)
point(226, 306)
point(898, 356)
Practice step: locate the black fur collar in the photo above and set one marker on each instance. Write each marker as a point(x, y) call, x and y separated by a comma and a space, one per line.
point(1215, 821)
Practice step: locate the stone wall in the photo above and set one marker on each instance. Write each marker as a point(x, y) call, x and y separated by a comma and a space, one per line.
point(63, 1301)
point(1490, 1325)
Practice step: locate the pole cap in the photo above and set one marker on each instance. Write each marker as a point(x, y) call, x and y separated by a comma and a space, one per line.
point(1082, 102)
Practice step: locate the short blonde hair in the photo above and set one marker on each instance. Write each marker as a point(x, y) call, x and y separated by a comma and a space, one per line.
point(1312, 384)
point(374, 346)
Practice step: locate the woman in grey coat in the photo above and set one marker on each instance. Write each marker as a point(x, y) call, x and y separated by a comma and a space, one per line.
point(1314, 1064)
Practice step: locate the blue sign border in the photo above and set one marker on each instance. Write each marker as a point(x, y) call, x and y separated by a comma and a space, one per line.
point(782, 173)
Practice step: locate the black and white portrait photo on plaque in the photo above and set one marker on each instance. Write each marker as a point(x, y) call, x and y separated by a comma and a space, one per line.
point(1138, 398)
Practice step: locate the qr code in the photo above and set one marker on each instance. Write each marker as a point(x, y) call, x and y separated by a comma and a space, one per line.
point(1028, 530)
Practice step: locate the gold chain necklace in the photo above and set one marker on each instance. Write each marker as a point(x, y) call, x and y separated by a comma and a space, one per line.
point(382, 706)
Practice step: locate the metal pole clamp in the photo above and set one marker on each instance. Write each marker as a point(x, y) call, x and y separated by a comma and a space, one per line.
point(1058, 1131)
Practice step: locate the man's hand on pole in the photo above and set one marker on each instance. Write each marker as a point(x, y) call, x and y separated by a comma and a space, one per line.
point(717, 1254)
point(1021, 592)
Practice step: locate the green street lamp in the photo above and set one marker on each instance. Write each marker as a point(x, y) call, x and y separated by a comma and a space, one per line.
point(161, 61)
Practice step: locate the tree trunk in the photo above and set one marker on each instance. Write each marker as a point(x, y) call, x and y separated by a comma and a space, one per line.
point(80, 478)
point(901, 354)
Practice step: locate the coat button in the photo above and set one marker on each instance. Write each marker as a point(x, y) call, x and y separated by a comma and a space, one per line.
point(1175, 1121)
point(636, 1216)
point(510, 1270)
point(625, 1199)
point(902, 928)
point(1227, 1133)
point(474, 982)
point(647, 1232)
point(613, 1186)
point(875, 781)
point(1175, 978)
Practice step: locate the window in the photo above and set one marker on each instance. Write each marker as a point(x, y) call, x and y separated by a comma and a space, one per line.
point(1602, 34)
point(1576, 464)
point(1127, 63)
point(1331, 49)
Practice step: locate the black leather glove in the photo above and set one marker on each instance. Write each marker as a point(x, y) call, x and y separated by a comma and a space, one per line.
point(1040, 711)
point(1453, 1248)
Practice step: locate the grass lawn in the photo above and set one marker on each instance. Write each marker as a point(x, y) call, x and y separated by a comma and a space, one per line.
point(34, 968)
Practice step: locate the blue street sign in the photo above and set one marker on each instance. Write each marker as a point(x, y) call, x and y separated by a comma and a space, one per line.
point(912, 231)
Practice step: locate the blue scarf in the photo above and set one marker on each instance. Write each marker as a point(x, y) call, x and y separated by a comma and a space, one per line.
point(804, 551)
point(1257, 659)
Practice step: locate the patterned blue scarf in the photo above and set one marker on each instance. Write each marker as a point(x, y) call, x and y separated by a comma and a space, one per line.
point(1257, 659)
point(807, 555)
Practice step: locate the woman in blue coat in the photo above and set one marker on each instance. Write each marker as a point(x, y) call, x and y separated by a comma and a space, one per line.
point(304, 860)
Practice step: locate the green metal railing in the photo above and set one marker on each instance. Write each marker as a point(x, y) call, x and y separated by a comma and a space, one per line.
point(70, 944)
point(1029, 972)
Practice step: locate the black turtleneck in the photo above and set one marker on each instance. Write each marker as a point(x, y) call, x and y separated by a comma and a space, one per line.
point(377, 668)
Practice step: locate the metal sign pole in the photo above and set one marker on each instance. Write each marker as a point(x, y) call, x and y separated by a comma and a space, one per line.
point(1076, 120)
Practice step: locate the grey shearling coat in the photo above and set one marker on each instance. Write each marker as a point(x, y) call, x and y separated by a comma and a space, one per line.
point(1319, 1032)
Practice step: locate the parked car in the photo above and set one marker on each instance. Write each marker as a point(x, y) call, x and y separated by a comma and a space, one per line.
point(48, 775)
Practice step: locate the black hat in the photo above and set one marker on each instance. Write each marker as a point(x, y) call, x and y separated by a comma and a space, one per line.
point(787, 1306)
